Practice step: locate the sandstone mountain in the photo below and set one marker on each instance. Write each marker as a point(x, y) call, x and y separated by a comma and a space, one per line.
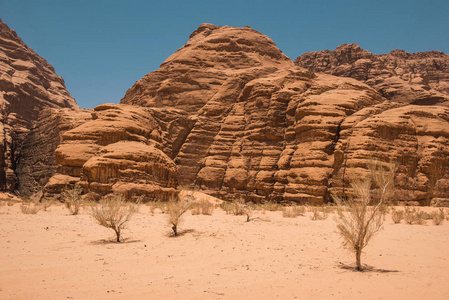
point(420, 78)
point(28, 86)
point(231, 115)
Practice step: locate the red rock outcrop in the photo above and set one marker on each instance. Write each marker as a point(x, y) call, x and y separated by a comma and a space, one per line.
point(119, 150)
point(190, 77)
point(269, 131)
point(420, 78)
point(28, 85)
point(229, 114)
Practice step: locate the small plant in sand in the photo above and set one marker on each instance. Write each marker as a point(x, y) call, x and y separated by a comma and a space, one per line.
point(438, 216)
point(397, 215)
point(114, 212)
point(46, 203)
point(240, 208)
point(363, 216)
point(203, 207)
point(293, 211)
point(72, 199)
point(272, 206)
point(413, 216)
point(175, 210)
point(318, 213)
point(30, 209)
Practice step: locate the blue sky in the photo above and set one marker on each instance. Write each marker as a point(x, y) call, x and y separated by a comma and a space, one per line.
point(101, 47)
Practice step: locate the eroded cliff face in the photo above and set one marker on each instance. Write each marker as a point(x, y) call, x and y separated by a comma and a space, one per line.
point(269, 131)
point(118, 149)
point(420, 78)
point(229, 114)
point(190, 77)
point(28, 85)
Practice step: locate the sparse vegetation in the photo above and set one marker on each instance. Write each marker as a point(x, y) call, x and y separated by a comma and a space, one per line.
point(364, 216)
point(318, 214)
point(203, 207)
point(30, 209)
point(438, 216)
point(397, 215)
point(414, 216)
point(72, 199)
point(46, 203)
point(175, 210)
point(114, 212)
point(293, 211)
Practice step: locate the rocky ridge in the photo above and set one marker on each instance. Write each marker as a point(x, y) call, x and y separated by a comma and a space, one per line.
point(28, 85)
point(420, 78)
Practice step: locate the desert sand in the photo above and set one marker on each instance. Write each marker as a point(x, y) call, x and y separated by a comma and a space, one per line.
point(54, 255)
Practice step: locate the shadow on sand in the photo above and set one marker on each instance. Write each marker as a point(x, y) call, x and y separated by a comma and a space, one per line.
point(366, 268)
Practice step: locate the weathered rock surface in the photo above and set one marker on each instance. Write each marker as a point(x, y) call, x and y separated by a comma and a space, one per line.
point(37, 162)
point(420, 78)
point(190, 77)
point(28, 85)
point(275, 132)
point(119, 150)
point(229, 114)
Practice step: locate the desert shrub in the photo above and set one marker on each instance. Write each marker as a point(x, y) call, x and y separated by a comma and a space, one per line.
point(30, 209)
point(175, 210)
point(438, 217)
point(397, 215)
point(114, 212)
point(414, 216)
point(72, 199)
point(46, 203)
point(272, 206)
point(318, 214)
point(203, 207)
point(363, 217)
point(293, 211)
point(162, 206)
point(239, 207)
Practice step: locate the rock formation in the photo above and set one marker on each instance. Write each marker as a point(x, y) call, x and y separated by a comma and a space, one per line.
point(118, 149)
point(420, 78)
point(231, 115)
point(28, 85)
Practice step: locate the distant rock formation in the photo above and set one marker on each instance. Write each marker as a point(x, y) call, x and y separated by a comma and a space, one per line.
point(28, 85)
point(420, 78)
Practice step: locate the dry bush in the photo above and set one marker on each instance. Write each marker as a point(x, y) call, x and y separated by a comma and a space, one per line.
point(207, 208)
point(438, 217)
point(414, 216)
point(239, 207)
point(72, 199)
point(30, 209)
point(153, 205)
point(293, 211)
point(272, 206)
point(397, 215)
point(114, 212)
point(46, 203)
point(318, 214)
point(203, 207)
point(175, 210)
point(364, 215)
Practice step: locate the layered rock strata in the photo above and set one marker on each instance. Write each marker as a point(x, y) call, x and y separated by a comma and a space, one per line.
point(420, 78)
point(28, 85)
point(117, 150)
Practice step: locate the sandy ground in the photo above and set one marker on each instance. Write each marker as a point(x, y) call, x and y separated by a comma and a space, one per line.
point(52, 255)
